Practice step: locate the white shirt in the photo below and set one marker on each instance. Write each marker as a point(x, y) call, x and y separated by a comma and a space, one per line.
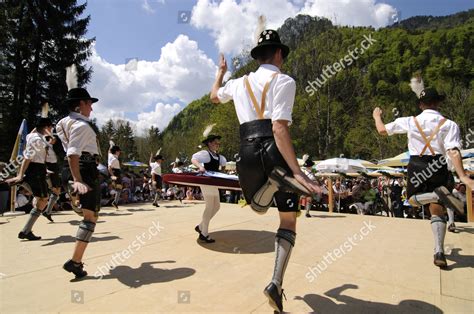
point(279, 99)
point(155, 168)
point(21, 200)
point(113, 161)
point(51, 156)
point(448, 137)
point(204, 157)
point(35, 148)
point(77, 135)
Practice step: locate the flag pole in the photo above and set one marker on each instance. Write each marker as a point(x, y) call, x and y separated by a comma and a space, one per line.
point(13, 157)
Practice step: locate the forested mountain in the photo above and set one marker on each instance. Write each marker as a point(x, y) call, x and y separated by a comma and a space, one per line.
point(434, 22)
point(337, 118)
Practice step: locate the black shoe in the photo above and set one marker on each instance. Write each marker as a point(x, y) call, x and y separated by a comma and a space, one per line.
point(29, 236)
point(114, 205)
point(156, 205)
point(197, 229)
point(286, 182)
point(48, 216)
point(308, 215)
point(75, 268)
point(440, 260)
point(274, 298)
point(452, 227)
point(205, 239)
point(449, 200)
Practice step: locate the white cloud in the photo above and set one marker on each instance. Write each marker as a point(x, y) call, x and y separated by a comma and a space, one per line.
point(232, 24)
point(160, 117)
point(147, 7)
point(181, 74)
point(353, 12)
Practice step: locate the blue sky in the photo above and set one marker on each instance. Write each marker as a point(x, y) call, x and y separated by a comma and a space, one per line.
point(175, 57)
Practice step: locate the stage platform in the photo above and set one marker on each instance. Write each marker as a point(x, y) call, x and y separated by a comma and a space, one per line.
point(146, 259)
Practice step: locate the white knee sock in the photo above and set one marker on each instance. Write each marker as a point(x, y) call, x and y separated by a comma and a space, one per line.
point(438, 226)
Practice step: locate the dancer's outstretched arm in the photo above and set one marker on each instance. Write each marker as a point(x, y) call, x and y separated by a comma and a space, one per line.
point(219, 78)
point(377, 114)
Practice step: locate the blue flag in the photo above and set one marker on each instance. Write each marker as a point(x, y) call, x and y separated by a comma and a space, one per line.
point(22, 133)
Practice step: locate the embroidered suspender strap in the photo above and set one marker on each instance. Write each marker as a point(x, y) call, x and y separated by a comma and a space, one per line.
point(252, 98)
point(433, 134)
point(428, 140)
point(427, 144)
point(264, 92)
point(259, 109)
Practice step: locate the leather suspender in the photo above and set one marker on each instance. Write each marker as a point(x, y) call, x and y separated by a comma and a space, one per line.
point(259, 109)
point(429, 139)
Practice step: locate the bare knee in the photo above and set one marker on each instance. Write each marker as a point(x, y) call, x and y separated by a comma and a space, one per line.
point(288, 220)
point(436, 210)
point(41, 202)
point(90, 215)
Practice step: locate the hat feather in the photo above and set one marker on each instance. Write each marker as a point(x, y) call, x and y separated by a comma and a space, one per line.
point(305, 157)
point(208, 130)
point(71, 77)
point(261, 24)
point(44, 110)
point(417, 85)
point(158, 151)
point(111, 143)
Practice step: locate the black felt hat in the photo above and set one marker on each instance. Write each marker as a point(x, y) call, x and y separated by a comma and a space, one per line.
point(75, 94)
point(308, 163)
point(430, 95)
point(210, 138)
point(269, 37)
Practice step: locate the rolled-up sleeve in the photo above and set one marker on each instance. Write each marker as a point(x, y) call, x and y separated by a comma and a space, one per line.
point(283, 101)
point(399, 126)
point(202, 157)
point(222, 161)
point(453, 137)
point(76, 144)
point(226, 92)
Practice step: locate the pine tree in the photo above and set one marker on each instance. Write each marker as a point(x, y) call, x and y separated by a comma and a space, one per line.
point(40, 38)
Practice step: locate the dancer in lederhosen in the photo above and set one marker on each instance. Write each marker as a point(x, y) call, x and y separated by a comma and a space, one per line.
point(156, 179)
point(33, 172)
point(308, 171)
point(52, 164)
point(267, 166)
point(431, 138)
point(115, 172)
point(79, 138)
point(209, 160)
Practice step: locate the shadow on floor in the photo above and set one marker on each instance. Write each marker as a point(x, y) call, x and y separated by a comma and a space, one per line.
point(459, 261)
point(146, 274)
point(327, 216)
point(71, 239)
point(351, 305)
point(120, 212)
point(464, 230)
point(134, 210)
point(241, 242)
point(74, 222)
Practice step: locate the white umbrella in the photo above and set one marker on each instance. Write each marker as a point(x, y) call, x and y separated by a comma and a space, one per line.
point(342, 165)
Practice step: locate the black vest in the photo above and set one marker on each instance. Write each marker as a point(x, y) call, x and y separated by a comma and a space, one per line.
point(214, 164)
